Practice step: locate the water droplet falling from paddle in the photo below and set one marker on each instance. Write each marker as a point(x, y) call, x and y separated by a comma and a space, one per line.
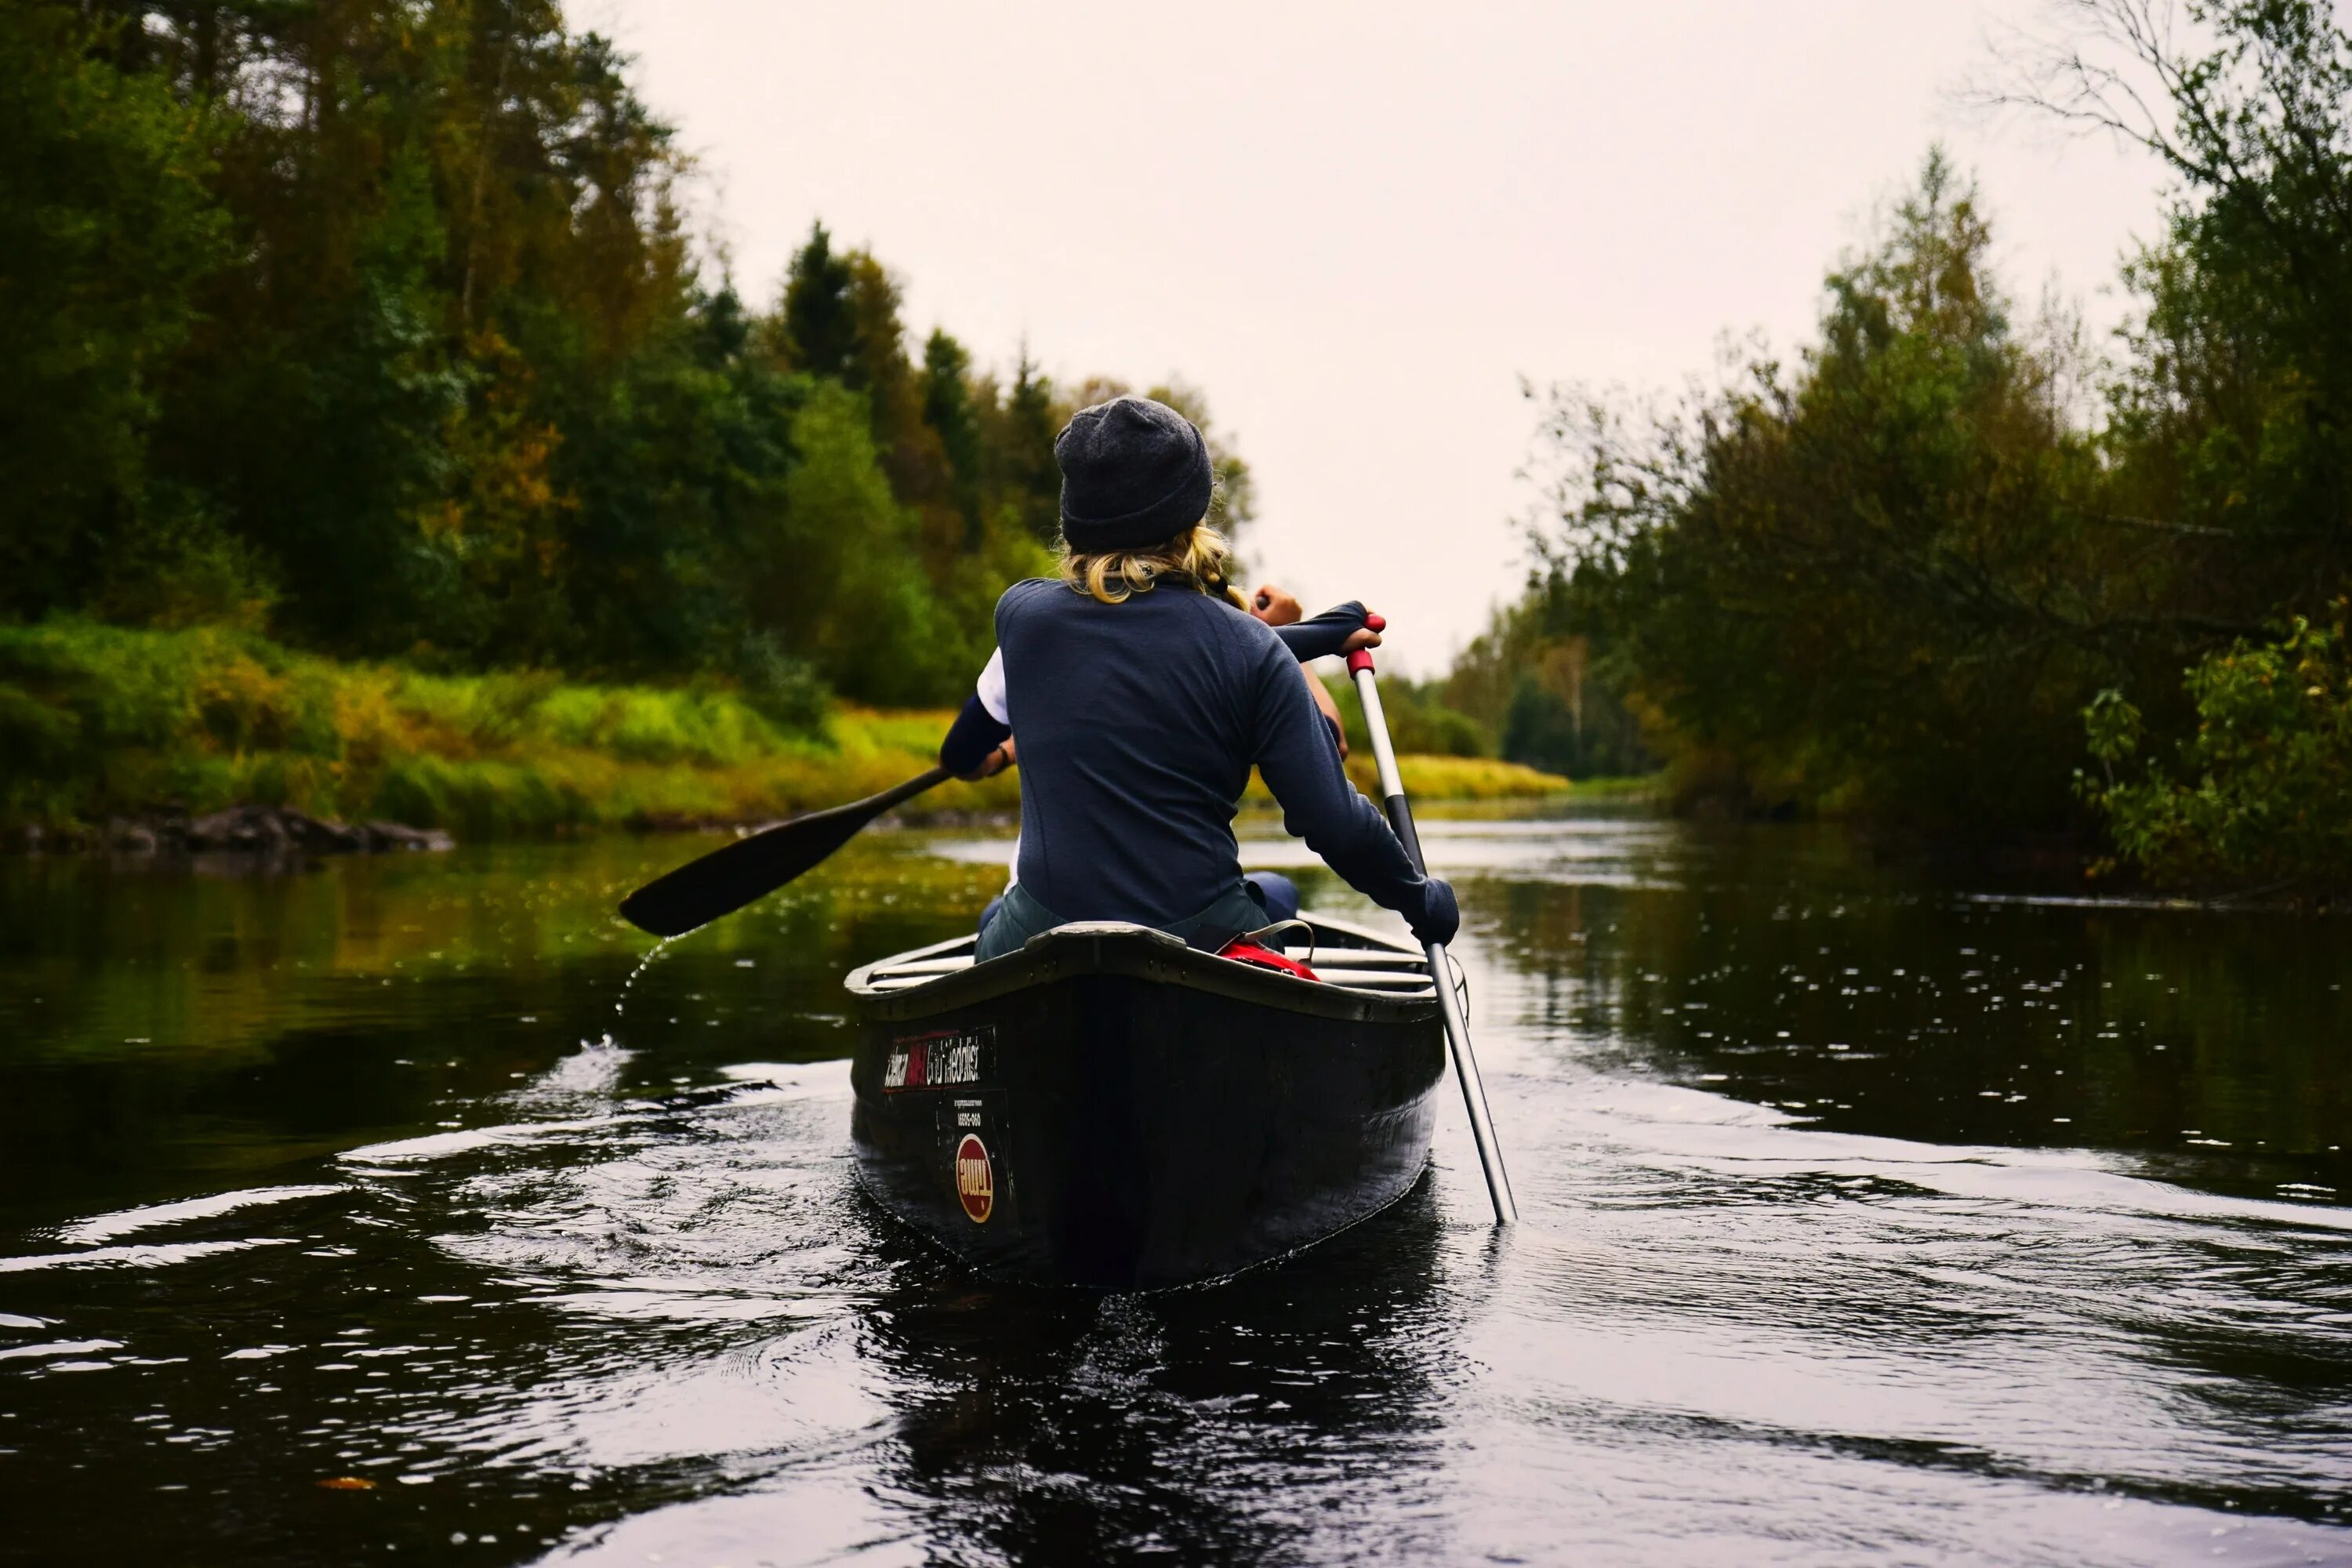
point(621, 1003)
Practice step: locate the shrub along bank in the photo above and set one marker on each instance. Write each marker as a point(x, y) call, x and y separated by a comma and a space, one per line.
point(2256, 795)
point(100, 722)
point(1894, 573)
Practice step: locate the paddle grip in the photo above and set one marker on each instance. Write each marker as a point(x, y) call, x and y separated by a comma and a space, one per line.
point(1361, 660)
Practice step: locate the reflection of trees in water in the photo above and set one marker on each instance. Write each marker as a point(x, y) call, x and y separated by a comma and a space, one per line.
point(218, 954)
point(1869, 1000)
point(1223, 1425)
point(1960, 1021)
point(196, 1014)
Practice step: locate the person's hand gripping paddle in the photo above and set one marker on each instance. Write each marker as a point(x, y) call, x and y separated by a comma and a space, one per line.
point(1458, 1029)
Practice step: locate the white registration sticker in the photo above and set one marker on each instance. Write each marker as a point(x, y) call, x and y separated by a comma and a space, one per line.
point(947, 1061)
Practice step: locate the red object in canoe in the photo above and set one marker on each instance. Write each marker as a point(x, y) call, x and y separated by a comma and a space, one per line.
point(1244, 951)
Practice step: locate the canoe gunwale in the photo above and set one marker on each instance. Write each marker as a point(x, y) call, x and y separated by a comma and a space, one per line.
point(1140, 953)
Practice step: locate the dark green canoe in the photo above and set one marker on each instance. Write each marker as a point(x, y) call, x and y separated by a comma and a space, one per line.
point(1111, 1109)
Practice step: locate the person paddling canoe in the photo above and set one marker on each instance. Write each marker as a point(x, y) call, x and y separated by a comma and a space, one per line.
point(1275, 893)
point(1143, 693)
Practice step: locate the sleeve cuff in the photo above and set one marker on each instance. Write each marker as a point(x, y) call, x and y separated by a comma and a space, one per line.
point(1320, 637)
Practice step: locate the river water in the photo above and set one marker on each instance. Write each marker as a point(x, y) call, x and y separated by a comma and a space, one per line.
point(375, 1212)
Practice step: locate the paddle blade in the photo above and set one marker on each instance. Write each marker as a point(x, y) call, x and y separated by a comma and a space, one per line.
point(750, 868)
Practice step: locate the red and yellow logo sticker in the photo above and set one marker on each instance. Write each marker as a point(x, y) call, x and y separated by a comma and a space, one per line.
point(975, 1179)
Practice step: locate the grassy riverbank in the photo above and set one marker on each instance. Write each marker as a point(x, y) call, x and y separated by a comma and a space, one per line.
point(99, 723)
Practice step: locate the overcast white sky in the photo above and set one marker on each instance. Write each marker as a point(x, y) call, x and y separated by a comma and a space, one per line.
point(1356, 226)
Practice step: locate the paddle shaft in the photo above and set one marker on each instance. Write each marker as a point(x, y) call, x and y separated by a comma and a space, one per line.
point(747, 869)
point(1449, 1005)
point(898, 793)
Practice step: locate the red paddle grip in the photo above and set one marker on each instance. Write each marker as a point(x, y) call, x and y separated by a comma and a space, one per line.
point(1362, 658)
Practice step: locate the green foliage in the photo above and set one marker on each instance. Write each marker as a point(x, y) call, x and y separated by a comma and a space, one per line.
point(374, 326)
point(2233, 415)
point(2264, 786)
point(1432, 777)
point(1886, 578)
point(1533, 680)
point(1855, 584)
point(97, 720)
point(107, 231)
point(788, 691)
point(947, 409)
point(1023, 447)
point(1420, 721)
point(817, 328)
point(174, 563)
point(869, 627)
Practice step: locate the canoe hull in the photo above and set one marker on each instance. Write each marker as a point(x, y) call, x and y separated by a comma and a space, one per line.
point(1107, 1112)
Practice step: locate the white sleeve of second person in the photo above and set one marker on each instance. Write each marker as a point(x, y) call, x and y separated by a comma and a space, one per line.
point(992, 688)
point(992, 697)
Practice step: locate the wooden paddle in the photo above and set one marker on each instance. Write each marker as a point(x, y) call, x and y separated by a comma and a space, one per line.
point(736, 874)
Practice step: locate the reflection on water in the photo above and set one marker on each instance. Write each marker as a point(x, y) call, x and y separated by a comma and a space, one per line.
point(1867, 1220)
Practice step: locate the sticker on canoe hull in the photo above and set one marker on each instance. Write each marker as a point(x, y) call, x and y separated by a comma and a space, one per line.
point(951, 1060)
point(975, 1179)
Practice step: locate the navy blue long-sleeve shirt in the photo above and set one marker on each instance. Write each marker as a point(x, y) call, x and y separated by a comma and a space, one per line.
point(1138, 724)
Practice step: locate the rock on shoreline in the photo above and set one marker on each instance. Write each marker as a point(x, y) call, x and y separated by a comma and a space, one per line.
point(266, 830)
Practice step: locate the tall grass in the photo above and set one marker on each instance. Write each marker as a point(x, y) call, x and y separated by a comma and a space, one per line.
point(98, 721)
point(1438, 776)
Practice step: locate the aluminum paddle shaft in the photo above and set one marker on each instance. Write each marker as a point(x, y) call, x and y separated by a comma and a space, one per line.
point(1457, 1027)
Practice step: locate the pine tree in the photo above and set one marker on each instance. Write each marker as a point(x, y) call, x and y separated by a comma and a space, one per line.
point(1033, 481)
point(947, 411)
point(819, 323)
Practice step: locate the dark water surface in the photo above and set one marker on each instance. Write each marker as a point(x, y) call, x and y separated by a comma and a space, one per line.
point(1867, 1220)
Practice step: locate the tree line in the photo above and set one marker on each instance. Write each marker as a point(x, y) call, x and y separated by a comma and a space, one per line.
point(377, 325)
point(1898, 573)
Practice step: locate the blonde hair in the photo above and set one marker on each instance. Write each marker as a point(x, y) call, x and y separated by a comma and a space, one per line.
point(1198, 557)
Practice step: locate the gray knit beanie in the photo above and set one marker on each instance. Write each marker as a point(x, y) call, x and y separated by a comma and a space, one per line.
point(1134, 473)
